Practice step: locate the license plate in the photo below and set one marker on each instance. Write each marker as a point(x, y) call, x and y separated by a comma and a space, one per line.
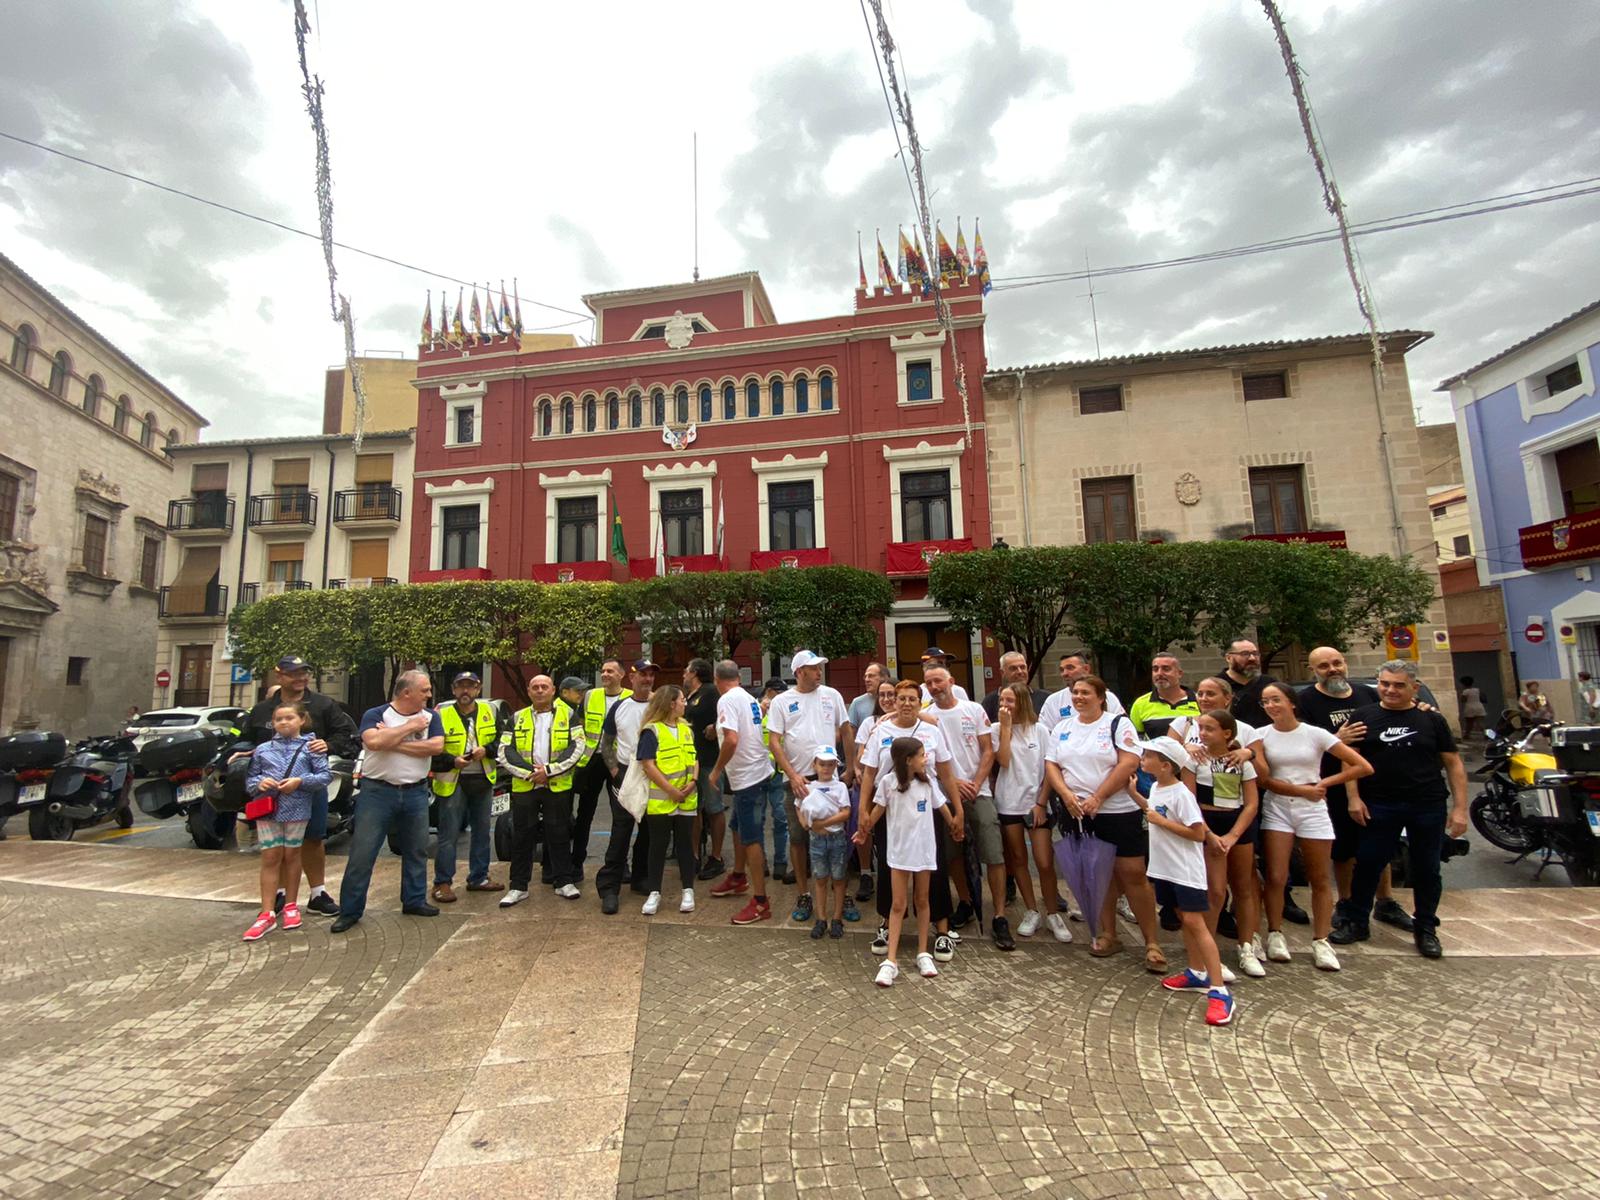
point(502, 804)
point(1594, 822)
point(188, 792)
point(30, 793)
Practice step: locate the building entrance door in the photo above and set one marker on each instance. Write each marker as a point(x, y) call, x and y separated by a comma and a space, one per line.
point(194, 677)
point(911, 639)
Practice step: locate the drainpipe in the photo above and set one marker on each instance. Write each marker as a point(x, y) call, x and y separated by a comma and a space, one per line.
point(244, 526)
point(1388, 465)
point(327, 517)
point(1022, 463)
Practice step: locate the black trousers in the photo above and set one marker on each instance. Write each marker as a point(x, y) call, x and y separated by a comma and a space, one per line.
point(939, 906)
point(544, 814)
point(593, 782)
point(680, 828)
point(615, 872)
point(1423, 823)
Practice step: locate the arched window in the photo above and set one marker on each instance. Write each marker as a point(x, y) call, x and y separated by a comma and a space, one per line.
point(802, 394)
point(635, 410)
point(566, 415)
point(22, 344)
point(545, 425)
point(658, 407)
point(705, 403)
point(147, 431)
point(120, 421)
point(613, 411)
point(776, 384)
point(730, 402)
point(825, 391)
point(172, 437)
point(680, 406)
point(60, 372)
point(752, 399)
point(92, 391)
point(588, 414)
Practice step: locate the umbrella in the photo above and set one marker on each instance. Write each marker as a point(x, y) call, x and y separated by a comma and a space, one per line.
point(1085, 863)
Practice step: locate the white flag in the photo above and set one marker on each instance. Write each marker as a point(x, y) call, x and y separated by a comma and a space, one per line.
point(719, 523)
point(661, 547)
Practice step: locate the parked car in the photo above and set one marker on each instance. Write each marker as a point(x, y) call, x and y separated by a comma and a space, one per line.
point(154, 724)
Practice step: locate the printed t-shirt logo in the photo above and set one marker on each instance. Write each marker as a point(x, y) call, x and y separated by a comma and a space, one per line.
point(794, 706)
point(1390, 736)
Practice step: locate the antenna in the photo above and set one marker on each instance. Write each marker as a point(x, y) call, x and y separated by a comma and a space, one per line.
point(1094, 317)
point(697, 206)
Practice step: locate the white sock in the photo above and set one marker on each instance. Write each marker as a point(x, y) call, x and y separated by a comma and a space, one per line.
point(1200, 972)
point(317, 891)
point(1221, 987)
point(282, 892)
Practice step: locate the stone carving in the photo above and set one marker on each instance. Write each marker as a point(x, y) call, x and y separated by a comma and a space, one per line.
point(19, 564)
point(679, 331)
point(1187, 489)
point(96, 481)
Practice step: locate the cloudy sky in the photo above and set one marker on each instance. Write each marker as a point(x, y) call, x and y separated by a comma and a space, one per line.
point(552, 144)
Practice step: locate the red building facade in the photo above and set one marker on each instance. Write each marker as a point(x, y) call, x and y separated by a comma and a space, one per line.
point(838, 440)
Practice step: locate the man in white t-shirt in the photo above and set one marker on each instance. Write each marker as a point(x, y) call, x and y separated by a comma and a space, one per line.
point(965, 727)
point(742, 756)
point(937, 656)
point(1058, 707)
point(807, 717)
point(619, 739)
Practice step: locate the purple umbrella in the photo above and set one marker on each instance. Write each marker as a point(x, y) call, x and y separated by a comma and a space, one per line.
point(1085, 863)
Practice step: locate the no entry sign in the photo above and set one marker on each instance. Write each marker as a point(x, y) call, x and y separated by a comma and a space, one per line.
point(1534, 632)
point(163, 677)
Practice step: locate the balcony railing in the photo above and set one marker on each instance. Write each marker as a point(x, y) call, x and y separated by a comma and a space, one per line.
point(200, 515)
point(569, 572)
point(280, 509)
point(364, 582)
point(1564, 540)
point(249, 593)
point(366, 504)
point(766, 560)
point(1334, 538)
point(677, 564)
point(199, 601)
point(915, 558)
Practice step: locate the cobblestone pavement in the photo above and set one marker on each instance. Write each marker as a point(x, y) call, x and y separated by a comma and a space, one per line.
point(143, 1046)
point(769, 1065)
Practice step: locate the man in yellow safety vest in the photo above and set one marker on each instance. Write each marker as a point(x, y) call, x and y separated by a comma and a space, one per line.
point(594, 780)
point(466, 794)
point(546, 752)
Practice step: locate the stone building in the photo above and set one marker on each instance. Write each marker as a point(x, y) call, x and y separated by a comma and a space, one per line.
point(84, 483)
point(1274, 439)
point(252, 518)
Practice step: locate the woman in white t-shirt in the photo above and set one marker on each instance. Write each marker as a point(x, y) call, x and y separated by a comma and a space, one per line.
point(1229, 801)
point(1295, 808)
point(1020, 742)
point(1093, 754)
point(1210, 693)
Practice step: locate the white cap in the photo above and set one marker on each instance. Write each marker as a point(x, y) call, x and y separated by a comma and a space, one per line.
point(826, 754)
point(804, 658)
point(1170, 749)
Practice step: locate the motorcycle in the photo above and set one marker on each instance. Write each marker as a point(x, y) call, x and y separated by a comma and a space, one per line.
point(90, 787)
point(214, 815)
point(1510, 768)
point(27, 763)
point(1565, 809)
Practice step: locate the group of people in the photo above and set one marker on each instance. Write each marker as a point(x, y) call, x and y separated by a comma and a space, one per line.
point(1209, 796)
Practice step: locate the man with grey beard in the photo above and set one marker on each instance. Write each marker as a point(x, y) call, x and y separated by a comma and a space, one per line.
point(1328, 705)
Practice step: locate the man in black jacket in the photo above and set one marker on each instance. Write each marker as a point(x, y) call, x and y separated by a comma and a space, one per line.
point(335, 733)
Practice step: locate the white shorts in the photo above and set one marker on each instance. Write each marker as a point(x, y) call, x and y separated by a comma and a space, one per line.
point(1303, 818)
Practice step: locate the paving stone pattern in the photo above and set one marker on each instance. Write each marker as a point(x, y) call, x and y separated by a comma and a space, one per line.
point(770, 1066)
point(143, 1046)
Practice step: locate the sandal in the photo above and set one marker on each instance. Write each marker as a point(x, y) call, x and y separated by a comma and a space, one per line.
point(1154, 960)
point(1105, 947)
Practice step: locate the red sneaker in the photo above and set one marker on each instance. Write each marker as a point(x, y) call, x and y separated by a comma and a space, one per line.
point(291, 916)
point(752, 912)
point(735, 883)
point(264, 925)
point(1219, 1008)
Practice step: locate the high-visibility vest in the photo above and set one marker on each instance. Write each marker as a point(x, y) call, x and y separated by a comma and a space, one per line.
point(594, 719)
point(560, 739)
point(766, 740)
point(675, 759)
point(455, 743)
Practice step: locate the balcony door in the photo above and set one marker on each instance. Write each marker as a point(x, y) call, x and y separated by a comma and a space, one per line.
point(1578, 470)
point(194, 677)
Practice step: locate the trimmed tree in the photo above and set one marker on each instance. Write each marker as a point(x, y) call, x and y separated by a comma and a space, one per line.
point(1019, 595)
point(710, 613)
point(826, 609)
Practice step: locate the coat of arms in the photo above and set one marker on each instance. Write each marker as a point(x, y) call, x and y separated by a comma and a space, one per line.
point(789, 560)
point(679, 331)
point(678, 439)
point(929, 553)
point(1187, 488)
point(1561, 534)
point(565, 575)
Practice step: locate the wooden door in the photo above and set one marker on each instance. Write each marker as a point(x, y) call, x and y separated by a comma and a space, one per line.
point(194, 677)
point(911, 639)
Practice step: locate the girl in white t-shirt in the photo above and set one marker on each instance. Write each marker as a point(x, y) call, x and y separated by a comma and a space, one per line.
point(910, 800)
point(1295, 808)
point(1020, 743)
point(1211, 693)
point(1229, 801)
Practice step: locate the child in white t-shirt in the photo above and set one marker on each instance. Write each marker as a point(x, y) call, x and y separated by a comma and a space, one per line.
point(824, 811)
point(911, 800)
point(1178, 871)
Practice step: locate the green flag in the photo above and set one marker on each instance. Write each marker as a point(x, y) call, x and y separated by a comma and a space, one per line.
point(619, 547)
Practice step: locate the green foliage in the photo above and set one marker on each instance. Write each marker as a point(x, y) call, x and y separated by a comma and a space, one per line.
point(826, 609)
point(709, 614)
point(320, 626)
point(1019, 595)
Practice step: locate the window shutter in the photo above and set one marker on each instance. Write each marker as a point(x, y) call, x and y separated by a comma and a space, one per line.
point(374, 468)
point(369, 558)
point(286, 552)
point(1107, 399)
point(1268, 385)
point(210, 477)
point(291, 472)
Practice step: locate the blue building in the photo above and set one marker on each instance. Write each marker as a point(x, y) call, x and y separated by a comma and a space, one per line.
point(1528, 423)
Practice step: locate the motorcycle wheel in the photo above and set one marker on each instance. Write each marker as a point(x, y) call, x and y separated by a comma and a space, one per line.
point(44, 826)
point(1494, 818)
point(201, 823)
point(502, 837)
point(125, 817)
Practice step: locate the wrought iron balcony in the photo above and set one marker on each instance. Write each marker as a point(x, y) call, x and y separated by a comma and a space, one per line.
point(367, 504)
point(288, 509)
point(203, 515)
point(199, 601)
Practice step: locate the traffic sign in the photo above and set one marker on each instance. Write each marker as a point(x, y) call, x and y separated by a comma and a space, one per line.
point(1535, 631)
point(1566, 634)
point(1441, 639)
point(239, 674)
point(1401, 641)
point(163, 677)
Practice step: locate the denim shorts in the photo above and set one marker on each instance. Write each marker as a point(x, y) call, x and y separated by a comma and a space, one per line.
point(713, 800)
point(317, 826)
point(750, 813)
point(830, 854)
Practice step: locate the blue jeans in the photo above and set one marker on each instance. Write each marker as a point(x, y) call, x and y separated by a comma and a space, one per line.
point(777, 790)
point(467, 806)
point(378, 806)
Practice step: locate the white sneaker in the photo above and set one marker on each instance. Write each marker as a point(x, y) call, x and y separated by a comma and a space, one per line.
point(1058, 927)
point(955, 937)
point(925, 965)
point(1074, 913)
point(886, 973)
point(652, 902)
point(1322, 955)
point(1029, 925)
point(1249, 962)
point(1125, 911)
point(568, 891)
point(1277, 947)
point(1255, 944)
point(687, 903)
point(513, 898)
point(1228, 976)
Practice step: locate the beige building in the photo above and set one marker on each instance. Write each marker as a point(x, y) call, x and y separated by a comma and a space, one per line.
point(1277, 438)
point(252, 518)
point(84, 481)
point(1451, 518)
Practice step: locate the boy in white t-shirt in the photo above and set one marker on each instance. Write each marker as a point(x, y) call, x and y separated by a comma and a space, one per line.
point(1178, 871)
point(824, 811)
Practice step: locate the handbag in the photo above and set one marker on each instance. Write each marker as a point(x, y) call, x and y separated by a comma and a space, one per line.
point(634, 794)
point(264, 805)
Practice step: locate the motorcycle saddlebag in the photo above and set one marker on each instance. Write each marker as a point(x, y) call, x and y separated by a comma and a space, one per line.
point(158, 797)
point(1576, 747)
point(183, 748)
point(233, 795)
point(21, 751)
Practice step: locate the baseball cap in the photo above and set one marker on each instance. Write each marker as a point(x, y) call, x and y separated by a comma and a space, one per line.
point(644, 664)
point(293, 662)
point(935, 652)
point(573, 684)
point(465, 677)
point(774, 685)
point(1170, 749)
point(805, 658)
point(826, 754)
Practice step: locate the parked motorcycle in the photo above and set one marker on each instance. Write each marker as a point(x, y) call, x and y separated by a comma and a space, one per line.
point(1565, 810)
point(92, 786)
point(213, 817)
point(176, 765)
point(27, 762)
point(1509, 767)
